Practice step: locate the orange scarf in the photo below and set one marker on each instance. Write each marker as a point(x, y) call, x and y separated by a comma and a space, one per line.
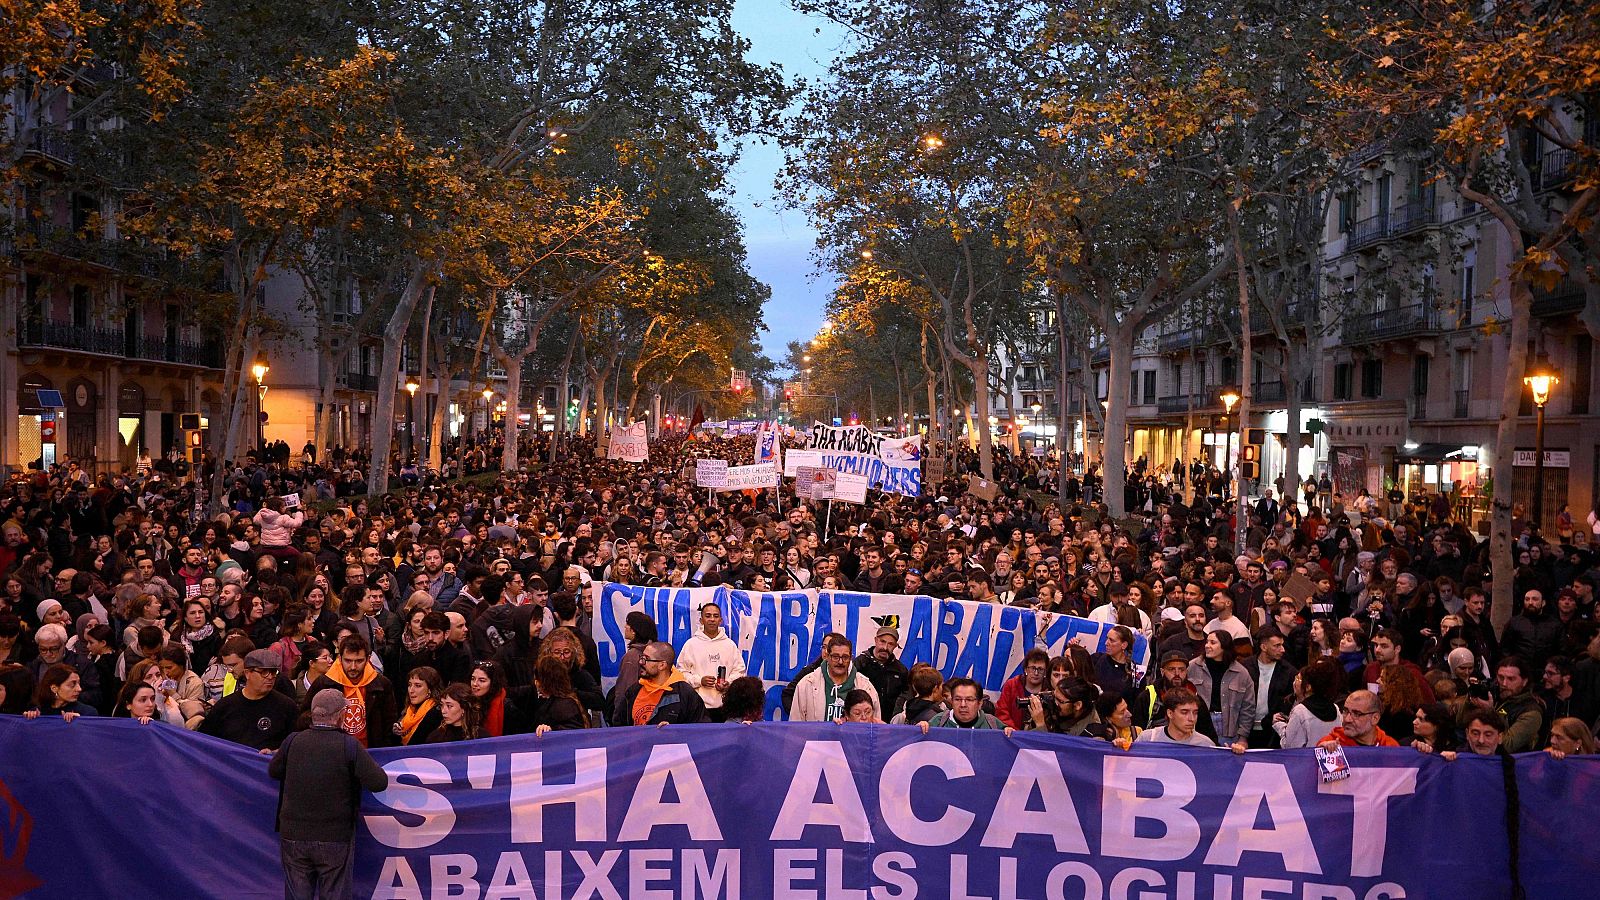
point(413, 717)
point(355, 695)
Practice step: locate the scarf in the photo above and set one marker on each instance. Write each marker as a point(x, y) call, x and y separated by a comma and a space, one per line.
point(413, 645)
point(355, 695)
point(412, 717)
point(494, 716)
point(833, 694)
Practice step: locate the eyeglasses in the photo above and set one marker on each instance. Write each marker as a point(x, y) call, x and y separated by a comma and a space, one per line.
point(646, 659)
point(839, 657)
point(1357, 713)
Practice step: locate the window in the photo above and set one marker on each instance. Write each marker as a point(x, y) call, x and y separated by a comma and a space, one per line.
point(1582, 367)
point(1419, 376)
point(1343, 381)
point(1372, 378)
point(1347, 212)
point(1428, 285)
point(1469, 278)
point(1150, 386)
point(1230, 370)
point(1385, 187)
point(82, 306)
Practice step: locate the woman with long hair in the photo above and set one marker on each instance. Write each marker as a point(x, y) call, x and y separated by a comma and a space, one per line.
point(638, 629)
point(1228, 690)
point(1317, 688)
point(1433, 728)
point(294, 630)
point(316, 658)
point(459, 719)
point(198, 635)
point(552, 705)
point(421, 715)
point(1113, 668)
point(488, 684)
point(1570, 735)
point(1399, 697)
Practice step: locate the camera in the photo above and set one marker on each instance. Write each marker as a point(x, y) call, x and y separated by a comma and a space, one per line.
point(1479, 689)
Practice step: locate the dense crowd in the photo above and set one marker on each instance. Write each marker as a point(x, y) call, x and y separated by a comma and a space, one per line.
point(454, 609)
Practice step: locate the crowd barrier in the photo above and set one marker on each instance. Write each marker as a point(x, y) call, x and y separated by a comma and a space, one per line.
point(110, 808)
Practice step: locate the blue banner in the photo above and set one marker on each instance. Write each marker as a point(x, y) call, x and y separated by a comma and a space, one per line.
point(781, 633)
point(109, 808)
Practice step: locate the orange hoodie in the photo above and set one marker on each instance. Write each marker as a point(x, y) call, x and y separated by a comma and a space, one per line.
point(355, 695)
point(644, 705)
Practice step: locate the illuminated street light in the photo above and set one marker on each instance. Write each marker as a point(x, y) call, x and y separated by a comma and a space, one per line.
point(1229, 398)
point(412, 386)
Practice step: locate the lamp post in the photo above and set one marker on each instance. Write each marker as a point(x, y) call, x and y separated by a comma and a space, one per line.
point(1230, 399)
point(260, 370)
point(1540, 379)
point(488, 410)
point(411, 416)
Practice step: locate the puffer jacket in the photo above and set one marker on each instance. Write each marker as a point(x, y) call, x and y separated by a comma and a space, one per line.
point(277, 529)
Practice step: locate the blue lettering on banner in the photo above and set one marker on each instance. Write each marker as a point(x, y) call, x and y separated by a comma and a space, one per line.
point(788, 810)
point(782, 633)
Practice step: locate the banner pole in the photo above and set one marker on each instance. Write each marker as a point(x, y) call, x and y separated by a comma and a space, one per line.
point(827, 521)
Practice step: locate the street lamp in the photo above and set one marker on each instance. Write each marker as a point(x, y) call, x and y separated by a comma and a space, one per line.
point(260, 370)
point(1540, 378)
point(411, 416)
point(1230, 398)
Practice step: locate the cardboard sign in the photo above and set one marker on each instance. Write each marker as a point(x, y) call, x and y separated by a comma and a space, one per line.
point(1299, 588)
point(981, 488)
point(291, 501)
point(936, 469)
point(815, 483)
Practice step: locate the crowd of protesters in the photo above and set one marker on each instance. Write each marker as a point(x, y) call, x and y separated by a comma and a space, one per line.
point(456, 609)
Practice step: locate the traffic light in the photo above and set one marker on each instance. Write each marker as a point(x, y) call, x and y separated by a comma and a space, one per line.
point(1252, 453)
point(1249, 470)
point(788, 393)
point(1257, 436)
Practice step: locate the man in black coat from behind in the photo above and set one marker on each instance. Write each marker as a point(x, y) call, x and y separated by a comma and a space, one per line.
point(323, 771)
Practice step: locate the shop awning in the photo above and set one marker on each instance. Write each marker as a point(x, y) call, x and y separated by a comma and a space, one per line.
point(1429, 453)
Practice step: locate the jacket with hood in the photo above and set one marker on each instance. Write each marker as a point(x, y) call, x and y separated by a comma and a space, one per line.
point(701, 656)
point(675, 702)
point(517, 656)
point(917, 711)
point(277, 528)
point(493, 629)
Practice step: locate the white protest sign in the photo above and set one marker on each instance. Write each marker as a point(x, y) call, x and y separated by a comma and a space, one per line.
point(710, 473)
point(744, 478)
point(850, 488)
point(629, 443)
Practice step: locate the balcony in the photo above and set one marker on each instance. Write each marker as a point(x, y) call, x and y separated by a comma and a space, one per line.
point(357, 381)
point(1555, 168)
point(1391, 324)
point(1180, 341)
point(1368, 231)
point(1183, 403)
point(1565, 297)
point(1268, 392)
point(117, 342)
point(54, 144)
point(1411, 216)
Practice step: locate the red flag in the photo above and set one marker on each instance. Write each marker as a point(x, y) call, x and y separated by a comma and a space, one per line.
point(698, 417)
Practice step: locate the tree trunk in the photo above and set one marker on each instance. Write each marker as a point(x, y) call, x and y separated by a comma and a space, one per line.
point(329, 360)
point(389, 380)
point(1505, 442)
point(1246, 379)
point(1113, 451)
point(1063, 361)
point(513, 367)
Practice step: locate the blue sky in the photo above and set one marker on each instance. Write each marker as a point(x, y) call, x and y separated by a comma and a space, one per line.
point(780, 241)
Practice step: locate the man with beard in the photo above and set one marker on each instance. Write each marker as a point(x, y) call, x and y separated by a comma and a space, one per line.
point(889, 676)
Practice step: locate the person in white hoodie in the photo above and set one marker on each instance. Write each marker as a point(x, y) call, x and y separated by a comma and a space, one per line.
point(710, 660)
